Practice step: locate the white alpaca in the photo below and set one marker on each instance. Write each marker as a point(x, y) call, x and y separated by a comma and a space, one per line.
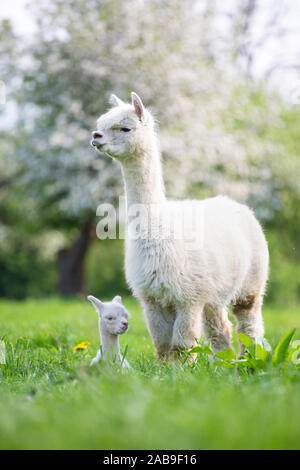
point(113, 321)
point(184, 288)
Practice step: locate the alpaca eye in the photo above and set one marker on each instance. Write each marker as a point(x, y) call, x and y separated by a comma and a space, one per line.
point(125, 129)
point(110, 318)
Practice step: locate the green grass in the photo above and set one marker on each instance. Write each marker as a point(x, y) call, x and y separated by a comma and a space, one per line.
point(51, 399)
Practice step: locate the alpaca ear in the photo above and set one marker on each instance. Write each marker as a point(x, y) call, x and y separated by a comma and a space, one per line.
point(117, 299)
point(97, 303)
point(138, 105)
point(115, 101)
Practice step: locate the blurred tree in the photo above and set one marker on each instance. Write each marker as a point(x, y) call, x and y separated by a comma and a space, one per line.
point(67, 74)
point(218, 135)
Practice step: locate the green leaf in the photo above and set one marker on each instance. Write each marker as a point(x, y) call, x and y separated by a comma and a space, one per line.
point(245, 340)
point(249, 362)
point(226, 355)
point(207, 350)
point(242, 362)
point(226, 365)
point(196, 349)
point(201, 349)
point(282, 347)
point(294, 353)
point(257, 364)
point(261, 353)
point(263, 343)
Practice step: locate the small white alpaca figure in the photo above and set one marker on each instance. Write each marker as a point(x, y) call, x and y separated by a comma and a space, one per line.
point(184, 287)
point(113, 321)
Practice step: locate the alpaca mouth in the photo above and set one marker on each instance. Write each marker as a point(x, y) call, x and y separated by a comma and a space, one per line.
point(123, 330)
point(97, 144)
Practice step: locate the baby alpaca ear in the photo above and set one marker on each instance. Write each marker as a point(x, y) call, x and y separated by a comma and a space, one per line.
point(115, 101)
point(138, 105)
point(117, 299)
point(97, 303)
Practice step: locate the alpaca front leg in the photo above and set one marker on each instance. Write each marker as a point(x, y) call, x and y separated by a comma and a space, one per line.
point(186, 331)
point(216, 327)
point(97, 358)
point(160, 325)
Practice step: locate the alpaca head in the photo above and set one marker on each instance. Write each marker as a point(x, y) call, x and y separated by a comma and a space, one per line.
point(125, 129)
point(113, 315)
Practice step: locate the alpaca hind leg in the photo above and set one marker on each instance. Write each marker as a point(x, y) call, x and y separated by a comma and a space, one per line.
point(216, 327)
point(248, 312)
point(160, 325)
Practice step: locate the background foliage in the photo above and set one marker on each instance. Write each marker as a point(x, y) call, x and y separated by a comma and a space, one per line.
point(221, 131)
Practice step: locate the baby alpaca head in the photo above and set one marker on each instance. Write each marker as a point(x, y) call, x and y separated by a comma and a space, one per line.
point(124, 130)
point(113, 315)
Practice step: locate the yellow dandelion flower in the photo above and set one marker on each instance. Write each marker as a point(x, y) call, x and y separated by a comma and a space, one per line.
point(82, 346)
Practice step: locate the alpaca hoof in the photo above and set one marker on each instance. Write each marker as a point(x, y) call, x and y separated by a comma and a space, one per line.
point(162, 356)
point(175, 354)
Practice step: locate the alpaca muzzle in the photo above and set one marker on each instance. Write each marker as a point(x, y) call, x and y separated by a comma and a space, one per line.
point(96, 139)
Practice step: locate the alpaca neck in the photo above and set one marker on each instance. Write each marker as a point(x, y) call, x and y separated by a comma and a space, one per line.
point(109, 342)
point(143, 176)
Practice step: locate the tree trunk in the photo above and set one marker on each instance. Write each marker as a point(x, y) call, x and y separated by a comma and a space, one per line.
point(70, 262)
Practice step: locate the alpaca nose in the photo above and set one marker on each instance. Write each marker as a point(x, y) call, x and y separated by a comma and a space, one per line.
point(97, 135)
point(125, 325)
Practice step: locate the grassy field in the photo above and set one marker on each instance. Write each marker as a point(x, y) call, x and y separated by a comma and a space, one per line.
point(51, 399)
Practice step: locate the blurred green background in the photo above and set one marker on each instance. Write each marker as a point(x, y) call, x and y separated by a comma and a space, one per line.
point(223, 130)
